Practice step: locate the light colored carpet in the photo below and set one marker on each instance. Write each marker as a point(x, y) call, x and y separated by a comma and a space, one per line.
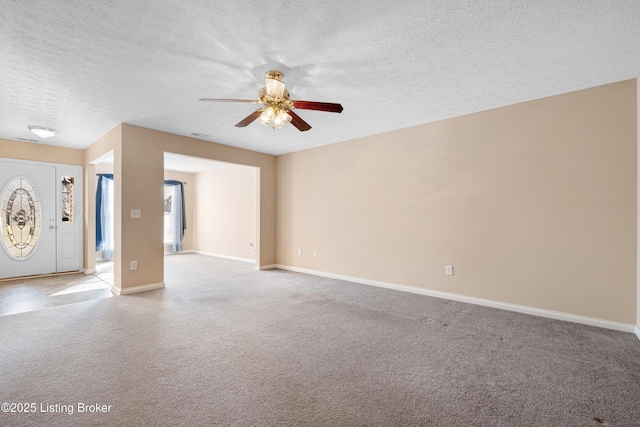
point(226, 345)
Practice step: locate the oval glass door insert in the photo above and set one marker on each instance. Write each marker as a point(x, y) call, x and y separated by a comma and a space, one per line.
point(21, 218)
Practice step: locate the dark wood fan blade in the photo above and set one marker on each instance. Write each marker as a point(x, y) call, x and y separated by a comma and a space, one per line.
point(249, 119)
point(298, 122)
point(320, 106)
point(228, 100)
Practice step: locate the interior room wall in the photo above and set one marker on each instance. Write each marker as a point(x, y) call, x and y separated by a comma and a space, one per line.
point(266, 164)
point(189, 183)
point(226, 212)
point(186, 178)
point(533, 204)
point(138, 186)
point(138, 173)
point(105, 146)
point(638, 208)
point(36, 152)
point(103, 168)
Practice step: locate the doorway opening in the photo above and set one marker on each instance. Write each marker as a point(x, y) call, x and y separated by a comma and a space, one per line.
point(221, 208)
point(210, 207)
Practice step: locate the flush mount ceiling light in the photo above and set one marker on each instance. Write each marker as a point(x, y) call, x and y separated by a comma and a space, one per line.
point(43, 132)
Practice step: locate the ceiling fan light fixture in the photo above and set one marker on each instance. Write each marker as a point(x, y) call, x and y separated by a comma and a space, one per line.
point(277, 107)
point(268, 116)
point(43, 132)
point(282, 118)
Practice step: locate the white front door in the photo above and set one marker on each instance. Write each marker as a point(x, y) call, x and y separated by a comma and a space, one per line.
point(28, 219)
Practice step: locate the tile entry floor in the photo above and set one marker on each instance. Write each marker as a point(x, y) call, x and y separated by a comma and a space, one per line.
point(35, 293)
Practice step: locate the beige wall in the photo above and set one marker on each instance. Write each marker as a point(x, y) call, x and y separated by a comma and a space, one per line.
point(98, 149)
point(226, 211)
point(189, 183)
point(638, 210)
point(40, 153)
point(533, 204)
point(138, 177)
point(266, 230)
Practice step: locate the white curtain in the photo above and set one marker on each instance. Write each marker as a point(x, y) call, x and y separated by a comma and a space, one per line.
point(175, 223)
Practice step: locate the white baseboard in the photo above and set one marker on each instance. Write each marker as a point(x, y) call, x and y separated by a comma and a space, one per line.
point(184, 252)
point(637, 331)
point(251, 261)
point(137, 289)
point(266, 267)
point(624, 327)
point(90, 271)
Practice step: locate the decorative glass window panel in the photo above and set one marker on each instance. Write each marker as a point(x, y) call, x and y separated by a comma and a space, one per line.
point(68, 202)
point(21, 218)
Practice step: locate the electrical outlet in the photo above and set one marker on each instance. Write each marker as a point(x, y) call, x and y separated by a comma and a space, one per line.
point(315, 254)
point(133, 265)
point(448, 270)
point(299, 252)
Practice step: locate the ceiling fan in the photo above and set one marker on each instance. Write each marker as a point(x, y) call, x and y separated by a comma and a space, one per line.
point(277, 105)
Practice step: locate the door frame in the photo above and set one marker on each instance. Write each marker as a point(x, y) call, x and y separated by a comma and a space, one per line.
point(75, 243)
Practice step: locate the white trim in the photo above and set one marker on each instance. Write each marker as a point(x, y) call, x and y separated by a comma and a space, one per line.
point(568, 317)
point(267, 267)
point(90, 271)
point(637, 331)
point(233, 258)
point(183, 252)
point(137, 289)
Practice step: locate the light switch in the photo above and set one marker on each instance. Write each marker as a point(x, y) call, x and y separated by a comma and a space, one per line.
point(136, 213)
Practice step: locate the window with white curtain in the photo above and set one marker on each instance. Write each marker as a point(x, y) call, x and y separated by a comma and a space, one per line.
point(169, 233)
point(174, 215)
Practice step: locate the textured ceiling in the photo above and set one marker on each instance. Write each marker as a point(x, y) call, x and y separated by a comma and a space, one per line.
point(82, 67)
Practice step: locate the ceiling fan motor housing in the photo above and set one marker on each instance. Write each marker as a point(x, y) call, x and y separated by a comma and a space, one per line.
point(274, 74)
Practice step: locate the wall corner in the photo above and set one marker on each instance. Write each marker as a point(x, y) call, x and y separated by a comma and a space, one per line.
point(637, 329)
